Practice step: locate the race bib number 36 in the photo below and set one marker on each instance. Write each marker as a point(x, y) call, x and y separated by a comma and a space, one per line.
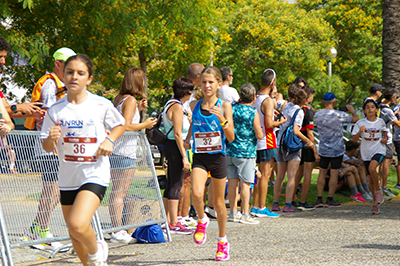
point(207, 142)
point(80, 149)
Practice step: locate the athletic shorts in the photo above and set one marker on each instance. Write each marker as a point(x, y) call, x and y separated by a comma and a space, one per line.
point(213, 163)
point(389, 151)
point(336, 162)
point(48, 166)
point(68, 196)
point(307, 155)
point(266, 155)
point(396, 145)
point(377, 157)
point(120, 162)
point(282, 158)
point(242, 168)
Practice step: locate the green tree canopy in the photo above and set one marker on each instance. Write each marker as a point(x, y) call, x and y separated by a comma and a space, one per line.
point(161, 37)
point(358, 27)
point(274, 34)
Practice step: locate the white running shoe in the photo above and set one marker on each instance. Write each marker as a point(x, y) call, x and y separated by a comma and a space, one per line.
point(100, 258)
point(188, 222)
point(122, 237)
point(234, 218)
point(210, 211)
point(248, 220)
point(50, 245)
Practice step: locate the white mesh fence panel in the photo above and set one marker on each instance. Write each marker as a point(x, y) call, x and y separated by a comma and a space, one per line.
point(29, 193)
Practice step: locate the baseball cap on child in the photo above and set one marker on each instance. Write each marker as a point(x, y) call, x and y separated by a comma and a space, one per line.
point(329, 96)
point(375, 87)
point(63, 54)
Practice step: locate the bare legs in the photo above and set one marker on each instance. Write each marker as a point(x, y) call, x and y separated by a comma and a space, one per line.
point(49, 199)
point(184, 196)
point(262, 187)
point(244, 194)
point(121, 181)
point(78, 217)
point(291, 168)
point(199, 177)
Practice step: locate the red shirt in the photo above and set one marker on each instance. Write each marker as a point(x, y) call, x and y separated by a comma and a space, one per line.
point(1, 95)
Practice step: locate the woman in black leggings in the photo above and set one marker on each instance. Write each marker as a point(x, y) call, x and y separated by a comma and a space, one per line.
point(177, 125)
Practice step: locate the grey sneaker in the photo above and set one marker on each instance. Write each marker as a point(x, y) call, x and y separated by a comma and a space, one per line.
point(234, 218)
point(210, 212)
point(248, 220)
point(388, 192)
point(397, 186)
point(367, 197)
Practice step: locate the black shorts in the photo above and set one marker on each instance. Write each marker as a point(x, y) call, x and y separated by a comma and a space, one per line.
point(48, 166)
point(307, 155)
point(68, 196)
point(213, 163)
point(336, 162)
point(377, 157)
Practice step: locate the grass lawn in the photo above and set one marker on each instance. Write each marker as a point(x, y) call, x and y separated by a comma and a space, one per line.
point(340, 198)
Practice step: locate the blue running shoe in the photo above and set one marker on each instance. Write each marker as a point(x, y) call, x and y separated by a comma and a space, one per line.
point(265, 213)
point(254, 211)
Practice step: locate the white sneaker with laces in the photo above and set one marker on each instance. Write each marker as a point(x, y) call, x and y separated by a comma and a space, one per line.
point(210, 211)
point(51, 245)
point(100, 258)
point(188, 222)
point(248, 220)
point(234, 218)
point(122, 237)
point(388, 192)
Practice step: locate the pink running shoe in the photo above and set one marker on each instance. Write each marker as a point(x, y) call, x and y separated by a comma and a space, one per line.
point(375, 208)
point(222, 251)
point(200, 236)
point(179, 229)
point(379, 196)
point(357, 197)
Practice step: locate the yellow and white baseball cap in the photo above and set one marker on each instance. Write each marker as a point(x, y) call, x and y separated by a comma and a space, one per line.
point(63, 54)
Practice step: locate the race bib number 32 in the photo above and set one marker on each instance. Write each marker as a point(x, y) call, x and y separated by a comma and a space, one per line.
point(80, 149)
point(208, 142)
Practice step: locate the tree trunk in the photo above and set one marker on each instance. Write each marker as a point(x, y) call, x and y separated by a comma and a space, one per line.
point(143, 66)
point(391, 43)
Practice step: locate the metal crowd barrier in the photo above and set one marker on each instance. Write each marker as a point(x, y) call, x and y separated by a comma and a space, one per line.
point(21, 192)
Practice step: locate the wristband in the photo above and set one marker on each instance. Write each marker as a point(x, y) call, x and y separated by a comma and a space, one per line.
point(224, 123)
point(110, 140)
point(225, 127)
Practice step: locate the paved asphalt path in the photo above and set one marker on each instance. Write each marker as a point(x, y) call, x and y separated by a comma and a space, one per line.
point(349, 235)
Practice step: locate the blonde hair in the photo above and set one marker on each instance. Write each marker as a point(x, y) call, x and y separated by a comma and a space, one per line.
point(212, 71)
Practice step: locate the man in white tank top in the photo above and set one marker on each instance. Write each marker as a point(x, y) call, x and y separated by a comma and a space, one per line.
point(266, 147)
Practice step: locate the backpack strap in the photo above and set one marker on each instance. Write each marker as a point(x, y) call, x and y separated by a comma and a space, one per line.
point(294, 116)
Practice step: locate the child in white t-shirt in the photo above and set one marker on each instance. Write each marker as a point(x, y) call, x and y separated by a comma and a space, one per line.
point(75, 126)
point(373, 133)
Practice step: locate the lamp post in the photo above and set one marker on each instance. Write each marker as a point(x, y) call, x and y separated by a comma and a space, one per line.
point(332, 53)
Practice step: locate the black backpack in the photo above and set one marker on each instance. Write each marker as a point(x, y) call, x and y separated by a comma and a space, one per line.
point(154, 135)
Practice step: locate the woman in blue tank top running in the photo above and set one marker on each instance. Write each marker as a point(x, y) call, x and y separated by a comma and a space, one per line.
point(212, 124)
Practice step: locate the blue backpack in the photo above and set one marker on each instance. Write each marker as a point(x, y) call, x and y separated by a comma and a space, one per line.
point(149, 234)
point(290, 143)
